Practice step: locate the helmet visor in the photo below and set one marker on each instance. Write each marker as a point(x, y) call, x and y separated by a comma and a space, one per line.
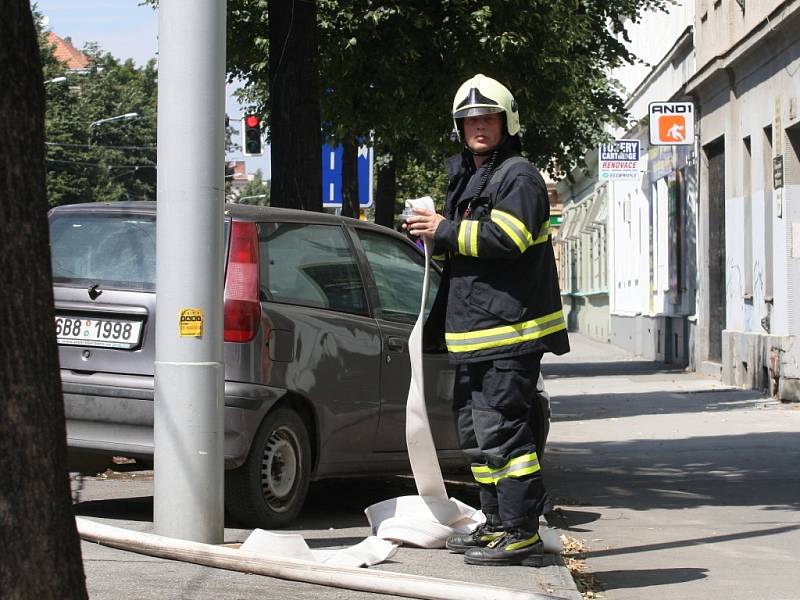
point(474, 111)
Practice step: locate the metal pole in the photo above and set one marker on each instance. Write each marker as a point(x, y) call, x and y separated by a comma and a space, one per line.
point(189, 369)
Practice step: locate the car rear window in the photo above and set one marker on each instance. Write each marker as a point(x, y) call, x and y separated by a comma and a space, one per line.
point(112, 249)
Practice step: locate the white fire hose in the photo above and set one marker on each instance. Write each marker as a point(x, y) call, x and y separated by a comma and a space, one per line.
point(383, 582)
point(424, 520)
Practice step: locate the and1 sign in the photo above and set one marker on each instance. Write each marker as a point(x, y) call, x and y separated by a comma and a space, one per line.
point(618, 160)
point(671, 123)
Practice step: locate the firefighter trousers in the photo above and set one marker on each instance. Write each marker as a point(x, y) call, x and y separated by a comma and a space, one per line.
point(493, 403)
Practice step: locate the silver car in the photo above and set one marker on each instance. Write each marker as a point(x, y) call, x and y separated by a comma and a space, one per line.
point(316, 367)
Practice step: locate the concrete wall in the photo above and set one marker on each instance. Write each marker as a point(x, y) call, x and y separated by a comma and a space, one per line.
point(764, 362)
point(660, 338)
point(723, 24)
point(587, 314)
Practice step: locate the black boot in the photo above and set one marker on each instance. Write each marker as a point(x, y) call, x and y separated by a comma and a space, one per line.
point(483, 535)
point(513, 548)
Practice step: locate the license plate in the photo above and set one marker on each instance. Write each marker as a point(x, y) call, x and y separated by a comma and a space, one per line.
point(105, 333)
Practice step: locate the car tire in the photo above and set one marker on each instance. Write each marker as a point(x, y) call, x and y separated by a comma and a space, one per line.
point(269, 489)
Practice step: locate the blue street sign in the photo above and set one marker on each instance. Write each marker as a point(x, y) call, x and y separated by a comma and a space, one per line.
point(332, 176)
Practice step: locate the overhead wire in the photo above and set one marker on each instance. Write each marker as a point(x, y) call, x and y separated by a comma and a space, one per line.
point(99, 165)
point(72, 145)
point(104, 166)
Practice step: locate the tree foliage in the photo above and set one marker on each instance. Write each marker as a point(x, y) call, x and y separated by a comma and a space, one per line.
point(110, 161)
point(389, 68)
point(393, 67)
point(418, 179)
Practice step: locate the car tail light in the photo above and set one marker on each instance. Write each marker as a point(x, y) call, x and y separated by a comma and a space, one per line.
point(242, 306)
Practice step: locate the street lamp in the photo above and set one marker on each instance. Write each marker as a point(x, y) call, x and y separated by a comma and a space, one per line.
point(125, 117)
point(238, 199)
point(61, 79)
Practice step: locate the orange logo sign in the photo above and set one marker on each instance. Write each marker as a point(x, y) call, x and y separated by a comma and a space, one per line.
point(672, 128)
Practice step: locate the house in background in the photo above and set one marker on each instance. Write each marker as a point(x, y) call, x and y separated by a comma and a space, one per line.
point(239, 178)
point(67, 54)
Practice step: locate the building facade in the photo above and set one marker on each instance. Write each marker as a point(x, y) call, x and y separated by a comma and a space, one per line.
point(746, 88)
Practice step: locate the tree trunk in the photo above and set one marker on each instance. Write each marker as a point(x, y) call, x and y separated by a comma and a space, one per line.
point(386, 194)
point(295, 120)
point(350, 203)
point(38, 538)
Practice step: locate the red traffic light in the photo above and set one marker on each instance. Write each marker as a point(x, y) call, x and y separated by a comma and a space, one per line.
point(252, 143)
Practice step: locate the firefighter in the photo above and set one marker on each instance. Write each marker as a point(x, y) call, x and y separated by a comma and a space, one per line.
point(499, 310)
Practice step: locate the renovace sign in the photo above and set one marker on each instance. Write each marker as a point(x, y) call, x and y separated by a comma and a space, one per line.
point(618, 160)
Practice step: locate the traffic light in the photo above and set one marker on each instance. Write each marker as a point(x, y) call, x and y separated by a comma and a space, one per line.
point(252, 144)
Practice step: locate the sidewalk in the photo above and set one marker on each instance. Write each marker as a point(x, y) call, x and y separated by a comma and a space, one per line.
point(333, 517)
point(678, 486)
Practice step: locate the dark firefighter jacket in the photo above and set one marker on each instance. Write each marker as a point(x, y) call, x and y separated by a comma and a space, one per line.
point(500, 288)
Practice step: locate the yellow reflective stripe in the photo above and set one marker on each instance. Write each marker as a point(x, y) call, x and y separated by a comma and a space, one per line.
point(474, 238)
point(462, 237)
point(520, 472)
point(504, 329)
point(490, 537)
point(517, 467)
point(505, 335)
point(523, 543)
point(482, 474)
point(468, 238)
point(544, 233)
point(439, 256)
point(513, 228)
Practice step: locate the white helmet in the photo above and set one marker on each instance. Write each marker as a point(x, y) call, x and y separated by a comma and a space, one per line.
point(483, 95)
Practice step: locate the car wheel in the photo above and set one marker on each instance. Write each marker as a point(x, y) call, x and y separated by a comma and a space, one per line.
point(269, 489)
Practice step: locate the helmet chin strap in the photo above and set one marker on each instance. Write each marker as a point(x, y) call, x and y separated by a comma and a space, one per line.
point(490, 150)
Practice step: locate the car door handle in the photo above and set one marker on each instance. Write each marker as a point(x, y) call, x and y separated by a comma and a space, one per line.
point(395, 344)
